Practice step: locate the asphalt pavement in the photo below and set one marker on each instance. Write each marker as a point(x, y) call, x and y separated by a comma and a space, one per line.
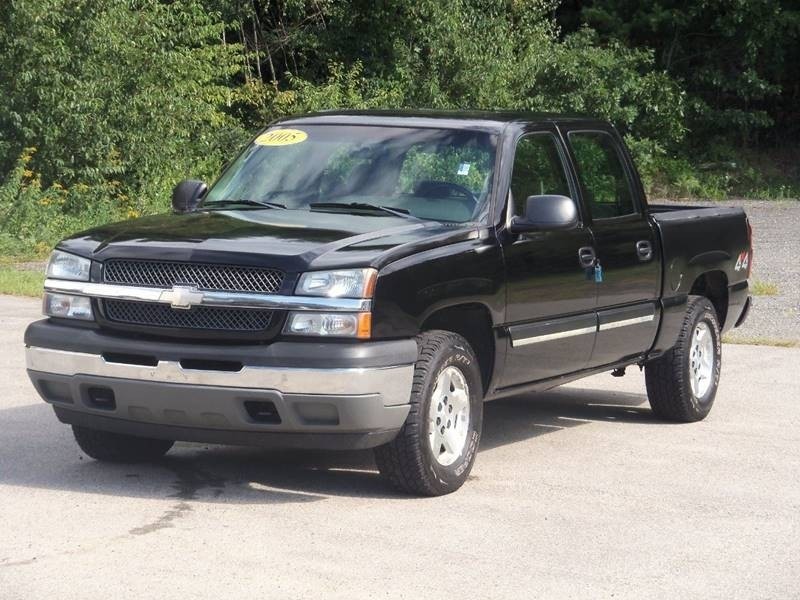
point(576, 493)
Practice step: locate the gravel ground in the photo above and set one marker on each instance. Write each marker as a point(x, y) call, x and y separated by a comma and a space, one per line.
point(776, 237)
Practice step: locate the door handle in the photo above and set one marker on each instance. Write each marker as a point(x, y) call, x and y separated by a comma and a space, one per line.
point(586, 257)
point(645, 250)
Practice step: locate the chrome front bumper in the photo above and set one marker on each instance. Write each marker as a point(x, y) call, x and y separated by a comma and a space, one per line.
point(313, 407)
point(393, 384)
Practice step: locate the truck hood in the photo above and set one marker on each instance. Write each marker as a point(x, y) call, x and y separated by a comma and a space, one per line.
point(291, 240)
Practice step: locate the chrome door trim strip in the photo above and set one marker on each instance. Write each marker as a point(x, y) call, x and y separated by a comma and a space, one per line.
point(576, 331)
point(626, 322)
point(209, 298)
point(551, 336)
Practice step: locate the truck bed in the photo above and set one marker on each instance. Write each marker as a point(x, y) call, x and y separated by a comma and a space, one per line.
point(703, 240)
point(668, 212)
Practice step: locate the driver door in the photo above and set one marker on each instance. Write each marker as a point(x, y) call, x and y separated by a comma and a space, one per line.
point(551, 297)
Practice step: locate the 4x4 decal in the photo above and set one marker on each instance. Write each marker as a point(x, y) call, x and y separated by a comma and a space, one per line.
point(742, 261)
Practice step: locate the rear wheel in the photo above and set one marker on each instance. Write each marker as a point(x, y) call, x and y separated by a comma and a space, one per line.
point(116, 447)
point(682, 383)
point(435, 450)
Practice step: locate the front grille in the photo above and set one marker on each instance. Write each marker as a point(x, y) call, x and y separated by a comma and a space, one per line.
point(203, 276)
point(155, 314)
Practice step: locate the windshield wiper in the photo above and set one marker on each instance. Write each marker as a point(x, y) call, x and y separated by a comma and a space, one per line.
point(398, 212)
point(246, 202)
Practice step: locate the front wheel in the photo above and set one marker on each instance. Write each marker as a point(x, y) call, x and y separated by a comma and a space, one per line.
point(435, 450)
point(117, 447)
point(682, 383)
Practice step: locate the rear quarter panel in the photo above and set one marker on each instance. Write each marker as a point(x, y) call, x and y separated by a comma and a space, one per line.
point(696, 242)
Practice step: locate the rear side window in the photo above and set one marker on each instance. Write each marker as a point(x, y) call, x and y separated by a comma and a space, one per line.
point(606, 188)
point(538, 170)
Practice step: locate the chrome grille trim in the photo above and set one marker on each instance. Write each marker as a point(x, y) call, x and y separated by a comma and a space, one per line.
point(230, 299)
point(204, 276)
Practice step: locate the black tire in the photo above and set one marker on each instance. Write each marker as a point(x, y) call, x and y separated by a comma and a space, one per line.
point(668, 377)
point(408, 461)
point(116, 447)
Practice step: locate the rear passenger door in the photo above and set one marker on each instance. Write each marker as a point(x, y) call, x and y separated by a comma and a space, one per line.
point(550, 315)
point(628, 260)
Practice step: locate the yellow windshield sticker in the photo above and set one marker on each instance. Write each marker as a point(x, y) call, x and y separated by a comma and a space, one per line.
point(281, 137)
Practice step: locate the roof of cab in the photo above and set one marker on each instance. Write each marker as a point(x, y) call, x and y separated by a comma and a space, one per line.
point(494, 121)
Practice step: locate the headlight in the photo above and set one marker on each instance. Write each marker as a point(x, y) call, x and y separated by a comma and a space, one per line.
point(67, 306)
point(354, 325)
point(350, 283)
point(63, 265)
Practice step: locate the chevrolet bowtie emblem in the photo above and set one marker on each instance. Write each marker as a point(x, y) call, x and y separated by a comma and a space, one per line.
point(182, 296)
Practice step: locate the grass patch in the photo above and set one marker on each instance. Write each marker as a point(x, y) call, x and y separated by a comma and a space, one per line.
point(21, 283)
point(762, 342)
point(763, 288)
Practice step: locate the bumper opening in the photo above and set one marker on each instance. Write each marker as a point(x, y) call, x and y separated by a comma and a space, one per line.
point(142, 360)
point(101, 397)
point(55, 391)
point(262, 411)
point(199, 364)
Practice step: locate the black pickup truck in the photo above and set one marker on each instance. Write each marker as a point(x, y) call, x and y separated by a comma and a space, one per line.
point(368, 279)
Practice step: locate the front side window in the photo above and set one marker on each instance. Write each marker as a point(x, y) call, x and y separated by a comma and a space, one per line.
point(434, 174)
point(538, 170)
point(605, 186)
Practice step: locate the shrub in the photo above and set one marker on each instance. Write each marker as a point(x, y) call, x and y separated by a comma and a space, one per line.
point(33, 217)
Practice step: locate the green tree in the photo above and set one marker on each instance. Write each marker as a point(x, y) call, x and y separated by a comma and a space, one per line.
point(739, 60)
point(126, 90)
point(449, 54)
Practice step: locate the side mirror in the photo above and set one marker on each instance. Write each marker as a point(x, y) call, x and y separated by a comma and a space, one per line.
point(544, 213)
point(187, 195)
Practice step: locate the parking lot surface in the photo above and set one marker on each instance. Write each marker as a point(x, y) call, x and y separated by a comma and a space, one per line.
point(576, 493)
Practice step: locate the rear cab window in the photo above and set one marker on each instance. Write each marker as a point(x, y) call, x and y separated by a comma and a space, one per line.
point(605, 184)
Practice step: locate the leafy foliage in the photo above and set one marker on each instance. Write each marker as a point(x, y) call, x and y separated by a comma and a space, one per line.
point(738, 60)
point(33, 216)
point(123, 98)
point(130, 90)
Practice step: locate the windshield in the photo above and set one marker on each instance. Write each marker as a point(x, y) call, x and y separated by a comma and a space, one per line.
point(436, 174)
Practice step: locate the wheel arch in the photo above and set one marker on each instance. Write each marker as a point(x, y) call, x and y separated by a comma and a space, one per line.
point(714, 286)
point(473, 322)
